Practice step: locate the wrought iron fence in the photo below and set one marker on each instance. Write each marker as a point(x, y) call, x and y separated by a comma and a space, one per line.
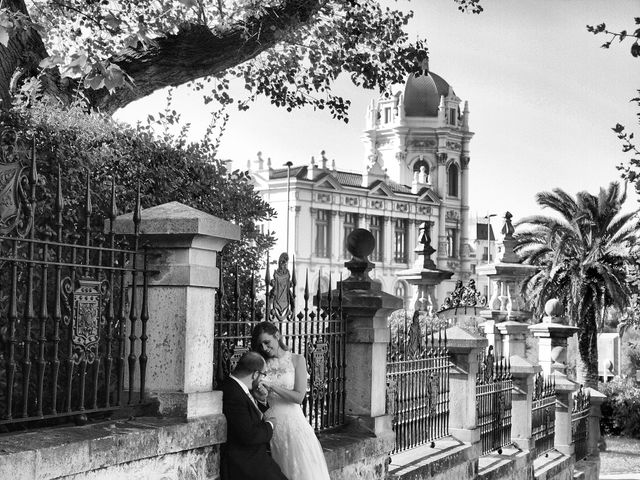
point(418, 384)
point(318, 333)
point(580, 422)
point(493, 402)
point(543, 418)
point(73, 311)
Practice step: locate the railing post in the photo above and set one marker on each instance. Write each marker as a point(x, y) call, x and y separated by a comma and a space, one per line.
point(367, 309)
point(465, 348)
point(183, 244)
point(552, 336)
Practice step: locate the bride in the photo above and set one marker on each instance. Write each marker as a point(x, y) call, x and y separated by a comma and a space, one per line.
point(294, 445)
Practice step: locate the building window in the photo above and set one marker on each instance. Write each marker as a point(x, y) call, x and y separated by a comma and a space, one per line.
point(452, 116)
point(323, 234)
point(473, 269)
point(376, 228)
point(452, 250)
point(485, 255)
point(387, 115)
point(453, 180)
point(400, 240)
point(350, 224)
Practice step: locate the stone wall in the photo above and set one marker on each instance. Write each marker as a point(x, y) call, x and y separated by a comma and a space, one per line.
point(150, 448)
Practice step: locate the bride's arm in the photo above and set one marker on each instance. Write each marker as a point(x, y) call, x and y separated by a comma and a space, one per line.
point(300, 385)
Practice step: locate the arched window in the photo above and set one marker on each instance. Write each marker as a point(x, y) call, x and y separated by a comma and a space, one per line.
point(453, 180)
point(400, 290)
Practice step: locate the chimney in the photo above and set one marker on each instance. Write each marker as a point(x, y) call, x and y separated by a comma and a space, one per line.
point(260, 161)
point(311, 170)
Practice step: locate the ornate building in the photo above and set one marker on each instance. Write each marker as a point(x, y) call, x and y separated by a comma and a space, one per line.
point(415, 170)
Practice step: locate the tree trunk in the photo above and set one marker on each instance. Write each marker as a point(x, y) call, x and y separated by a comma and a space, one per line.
point(194, 52)
point(587, 361)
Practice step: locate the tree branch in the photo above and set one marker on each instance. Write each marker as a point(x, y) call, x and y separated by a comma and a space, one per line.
point(195, 51)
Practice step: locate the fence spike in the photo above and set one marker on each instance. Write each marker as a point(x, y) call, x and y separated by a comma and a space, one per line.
point(267, 274)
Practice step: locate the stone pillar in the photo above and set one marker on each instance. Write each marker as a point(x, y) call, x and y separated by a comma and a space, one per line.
point(464, 349)
point(493, 337)
point(336, 233)
point(464, 215)
point(367, 309)
point(593, 439)
point(523, 373)
point(552, 337)
point(183, 246)
point(513, 335)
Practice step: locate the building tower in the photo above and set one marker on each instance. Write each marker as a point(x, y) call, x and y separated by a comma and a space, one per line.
point(419, 136)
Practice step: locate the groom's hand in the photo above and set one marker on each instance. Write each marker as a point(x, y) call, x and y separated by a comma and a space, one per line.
point(260, 393)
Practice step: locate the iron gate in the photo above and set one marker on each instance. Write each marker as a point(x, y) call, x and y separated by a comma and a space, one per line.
point(73, 315)
point(580, 423)
point(418, 383)
point(543, 415)
point(318, 333)
point(493, 402)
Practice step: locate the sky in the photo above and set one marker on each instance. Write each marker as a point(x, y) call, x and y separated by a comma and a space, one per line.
point(543, 97)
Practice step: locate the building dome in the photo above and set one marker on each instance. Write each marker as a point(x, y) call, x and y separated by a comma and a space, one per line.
point(422, 94)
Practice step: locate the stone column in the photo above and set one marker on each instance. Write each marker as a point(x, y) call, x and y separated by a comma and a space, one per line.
point(464, 348)
point(183, 246)
point(367, 309)
point(593, 439)
point(523, 373)
point(552, 337)
point(336, 233)
point(464, 215)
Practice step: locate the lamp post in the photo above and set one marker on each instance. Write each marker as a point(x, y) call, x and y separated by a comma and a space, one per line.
point(288, 165)
point(488, 217)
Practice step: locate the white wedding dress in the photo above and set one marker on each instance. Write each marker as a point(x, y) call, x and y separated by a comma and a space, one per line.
point(294, 445)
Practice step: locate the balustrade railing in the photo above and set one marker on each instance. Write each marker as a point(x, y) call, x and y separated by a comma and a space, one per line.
point(580, 422)
point(73, 304)
point(543, 416)
point(318, 333)
point(493, 403)
point(418, 384)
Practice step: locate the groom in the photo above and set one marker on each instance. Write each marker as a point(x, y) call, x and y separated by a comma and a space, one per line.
point(245, 456)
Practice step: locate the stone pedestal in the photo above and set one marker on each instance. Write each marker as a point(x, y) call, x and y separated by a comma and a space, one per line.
point(552, 336)
point(424, 275)
point(183, 244)
point(464, 349)
point(523, 373)
point(367, 309)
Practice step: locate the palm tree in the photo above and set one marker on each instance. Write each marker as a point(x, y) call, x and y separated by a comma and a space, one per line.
point(584, 253)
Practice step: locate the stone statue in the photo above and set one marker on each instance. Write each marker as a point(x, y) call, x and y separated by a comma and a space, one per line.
point(281, 297)
point(507, 229)
point(414, 346)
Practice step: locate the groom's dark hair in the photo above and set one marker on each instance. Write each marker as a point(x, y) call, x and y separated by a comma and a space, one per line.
point(249, 362)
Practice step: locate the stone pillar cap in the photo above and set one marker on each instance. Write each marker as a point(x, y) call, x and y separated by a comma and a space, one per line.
point(511, 327)
point(552, 330)
point(460, 340)
point(521, 367)
point(563, 384)
point(596, 397)
point(175, 218)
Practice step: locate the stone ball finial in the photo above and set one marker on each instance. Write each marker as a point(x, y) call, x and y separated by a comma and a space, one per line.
point(553, 307)
point(360, 243)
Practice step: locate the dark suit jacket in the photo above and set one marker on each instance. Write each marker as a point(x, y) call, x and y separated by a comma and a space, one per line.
point(245, 455)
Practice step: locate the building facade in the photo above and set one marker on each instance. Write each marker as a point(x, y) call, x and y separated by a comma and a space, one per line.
point(415, 170)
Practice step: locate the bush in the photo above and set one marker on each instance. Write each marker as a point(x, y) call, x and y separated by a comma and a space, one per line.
point(621, 410)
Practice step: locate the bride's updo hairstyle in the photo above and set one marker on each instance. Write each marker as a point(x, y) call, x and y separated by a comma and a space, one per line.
point(268, 328)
